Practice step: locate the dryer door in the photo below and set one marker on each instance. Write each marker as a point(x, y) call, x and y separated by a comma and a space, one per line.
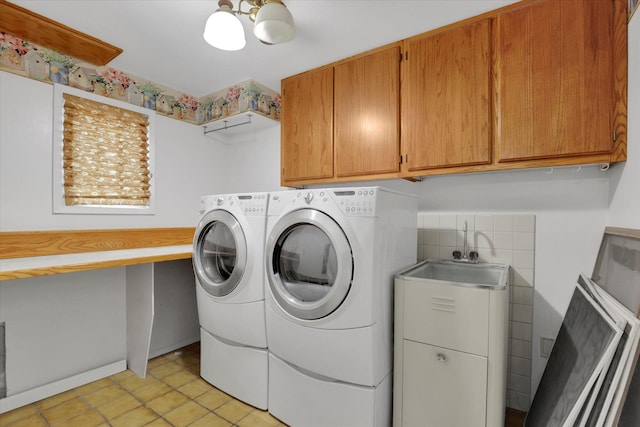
point(219, 253)
point(309, 264)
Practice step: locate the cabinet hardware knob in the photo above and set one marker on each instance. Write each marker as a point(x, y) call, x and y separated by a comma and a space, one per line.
point(441, 357)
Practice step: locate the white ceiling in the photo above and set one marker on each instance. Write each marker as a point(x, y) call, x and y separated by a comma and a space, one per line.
point(162, 39)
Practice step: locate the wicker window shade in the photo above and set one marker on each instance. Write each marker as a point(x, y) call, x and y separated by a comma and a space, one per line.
point(105, 154)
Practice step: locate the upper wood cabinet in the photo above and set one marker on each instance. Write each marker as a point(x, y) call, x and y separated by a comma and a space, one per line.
point(367, 114)
point(446, 98)
point(537, 83)
point(554, 68)
point(306, 151)
point(343, 121)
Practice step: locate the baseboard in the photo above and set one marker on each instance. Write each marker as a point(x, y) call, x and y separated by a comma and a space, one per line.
point(164, 350)
point(33, 395)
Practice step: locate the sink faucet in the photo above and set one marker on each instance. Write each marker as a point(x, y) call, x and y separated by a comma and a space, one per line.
point(465, 249)
point(465, 255)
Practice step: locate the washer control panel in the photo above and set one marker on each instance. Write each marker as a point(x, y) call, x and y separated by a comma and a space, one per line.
point(352, 202)
point(357, 202)
point(253, 204)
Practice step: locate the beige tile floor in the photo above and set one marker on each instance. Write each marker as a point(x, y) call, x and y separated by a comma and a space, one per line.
point(172, 394)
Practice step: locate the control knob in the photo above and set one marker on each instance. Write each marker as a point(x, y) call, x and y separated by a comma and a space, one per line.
point(308, 197)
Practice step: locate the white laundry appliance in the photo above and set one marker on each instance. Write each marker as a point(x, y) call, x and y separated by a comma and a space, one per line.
point(228, 260)
point(330, 258)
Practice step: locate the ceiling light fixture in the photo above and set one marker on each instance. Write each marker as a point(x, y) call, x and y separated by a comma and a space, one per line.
point(273, 24)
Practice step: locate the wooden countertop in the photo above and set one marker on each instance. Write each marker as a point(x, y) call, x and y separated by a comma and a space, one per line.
point(26, 254)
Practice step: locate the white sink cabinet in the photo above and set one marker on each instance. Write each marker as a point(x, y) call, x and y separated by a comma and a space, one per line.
point(450, 352)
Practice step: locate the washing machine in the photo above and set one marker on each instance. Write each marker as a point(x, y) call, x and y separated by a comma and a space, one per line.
point(330, 259)
point(228, 260)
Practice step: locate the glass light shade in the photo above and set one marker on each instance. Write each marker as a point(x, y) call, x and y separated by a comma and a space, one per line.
point(274, 24)
point(224, 30)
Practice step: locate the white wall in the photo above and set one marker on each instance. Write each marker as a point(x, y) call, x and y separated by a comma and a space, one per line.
point(62, 325)
point(254, 162)
point(175, 320)
point(188, 165)
point(625, 178)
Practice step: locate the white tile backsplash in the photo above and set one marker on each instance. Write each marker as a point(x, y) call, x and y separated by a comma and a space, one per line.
point(523, 259)
point(521, 331)
point(431, 236)
point(448, 238)
point(508, 239)
point(524, 223)
point(522, 313)
point(430, 221)
point(431, 252)
point(448, 222)
point(520, 348)
point(484, 223)
point(503, 223)
point(421, 236)
point(446, 252)
point(502, 256)
point(523, 241)
point(523, 276)
point(483, 239)
point(519, 383)
point(520, 366)
point(522, 294)
point(503, 240)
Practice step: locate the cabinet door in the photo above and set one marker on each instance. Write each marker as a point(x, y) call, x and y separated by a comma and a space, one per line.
point(443, 387)
point(307, 126)
point(554, 79)
point(367, 105)
point(461, 314)
point(446, 98)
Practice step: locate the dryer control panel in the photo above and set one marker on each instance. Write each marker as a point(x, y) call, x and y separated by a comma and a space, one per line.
point(207, 203)
point(253, 204)
point(249, 203)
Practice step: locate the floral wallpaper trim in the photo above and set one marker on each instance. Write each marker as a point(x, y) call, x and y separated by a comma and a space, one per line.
point(27, 59)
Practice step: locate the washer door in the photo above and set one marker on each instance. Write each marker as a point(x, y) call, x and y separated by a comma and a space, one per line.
point(309, 264)
point(219, 253)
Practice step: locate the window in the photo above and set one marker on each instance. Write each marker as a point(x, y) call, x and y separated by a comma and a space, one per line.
point(102, 155)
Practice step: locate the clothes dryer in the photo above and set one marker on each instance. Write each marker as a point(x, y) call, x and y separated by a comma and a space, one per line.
point(330, 258)
point(228, 260)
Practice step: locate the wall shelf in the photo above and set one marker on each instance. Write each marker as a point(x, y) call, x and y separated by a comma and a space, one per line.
point(230, 128)
point(39, 29)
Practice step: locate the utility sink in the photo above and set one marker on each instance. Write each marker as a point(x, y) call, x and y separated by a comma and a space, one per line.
point(460, 273)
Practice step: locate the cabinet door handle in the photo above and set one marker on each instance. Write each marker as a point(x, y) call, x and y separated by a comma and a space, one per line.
point(441, 357)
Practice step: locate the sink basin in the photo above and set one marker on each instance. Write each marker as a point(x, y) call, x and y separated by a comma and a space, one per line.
point(460, 273)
